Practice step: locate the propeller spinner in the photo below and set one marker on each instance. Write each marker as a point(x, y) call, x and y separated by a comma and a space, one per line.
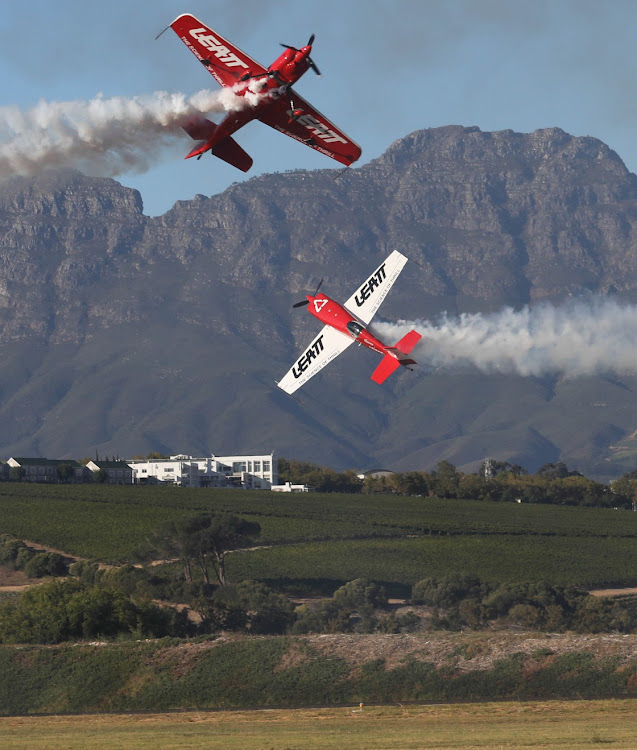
point(310, 62)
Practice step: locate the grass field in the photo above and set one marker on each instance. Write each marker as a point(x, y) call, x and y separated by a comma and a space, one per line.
point(495, 558)
point(573, 725)
point(394, 540)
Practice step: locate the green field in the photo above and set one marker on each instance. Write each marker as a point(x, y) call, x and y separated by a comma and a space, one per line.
point(340, 537)
point(496, 559)
point(327, 538)
point(575, 725)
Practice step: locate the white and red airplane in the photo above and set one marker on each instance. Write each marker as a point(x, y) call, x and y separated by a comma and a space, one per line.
point(342, 328)
point(277, 104)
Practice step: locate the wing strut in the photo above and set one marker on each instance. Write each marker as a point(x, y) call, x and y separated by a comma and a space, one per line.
point(161, 32)
point(340, 173)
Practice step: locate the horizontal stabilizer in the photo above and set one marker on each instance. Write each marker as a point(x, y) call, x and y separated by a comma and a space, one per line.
point(232, 153)
point(198, 150)
point(228, 150)
point(396, 356)
point(387, 366)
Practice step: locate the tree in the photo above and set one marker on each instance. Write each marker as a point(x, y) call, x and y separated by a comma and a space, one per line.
point(45, 564)
point(17, 473)
point(204, 541)
point(318, 477)
point(265, 611)
point(501, 467)
point(100, 476)
point(63, 610)
point(353, 607)
point(624, 490)
point(448, 590)
point(471, 612)
point(221, 534)
point(557, 470)
point(65, 472)
point(526, 615)
point(446, 480)
point(177, 539)
point(410, 483)
point(359, 593)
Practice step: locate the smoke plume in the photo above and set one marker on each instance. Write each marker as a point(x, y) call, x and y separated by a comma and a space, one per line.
point(584, 337)
point(102, 136)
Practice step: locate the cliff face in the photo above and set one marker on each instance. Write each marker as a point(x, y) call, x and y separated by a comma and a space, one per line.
point(127, 333)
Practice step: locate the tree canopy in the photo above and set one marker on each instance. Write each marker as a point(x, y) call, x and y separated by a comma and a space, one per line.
point(203, 541)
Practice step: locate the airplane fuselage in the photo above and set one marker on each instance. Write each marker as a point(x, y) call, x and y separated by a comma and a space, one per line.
point(284, 71)
point(331, 313)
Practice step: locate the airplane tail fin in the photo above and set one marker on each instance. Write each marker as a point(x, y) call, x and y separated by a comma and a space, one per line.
point(202, 130)
point(232, 153)
point(396, 356)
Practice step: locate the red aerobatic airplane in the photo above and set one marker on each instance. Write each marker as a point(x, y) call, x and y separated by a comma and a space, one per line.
point(343, 328)
point(277, 104)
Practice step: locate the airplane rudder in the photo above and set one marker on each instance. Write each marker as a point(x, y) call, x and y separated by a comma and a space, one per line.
point(408, 342)
point(199, 128)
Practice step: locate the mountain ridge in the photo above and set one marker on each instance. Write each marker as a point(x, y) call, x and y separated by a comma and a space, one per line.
point(126, 333)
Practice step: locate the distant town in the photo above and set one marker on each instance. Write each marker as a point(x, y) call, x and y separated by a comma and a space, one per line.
point(243, 472)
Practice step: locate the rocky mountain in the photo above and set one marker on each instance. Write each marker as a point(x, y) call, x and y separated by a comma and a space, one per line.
point(124, 333)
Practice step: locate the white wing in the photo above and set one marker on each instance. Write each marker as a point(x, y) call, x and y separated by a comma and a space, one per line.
point(325, 347)
point(364, 303)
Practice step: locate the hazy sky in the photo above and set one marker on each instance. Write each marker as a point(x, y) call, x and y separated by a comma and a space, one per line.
point(389, 67)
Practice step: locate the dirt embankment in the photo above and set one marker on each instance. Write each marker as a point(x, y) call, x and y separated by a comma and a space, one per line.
point(464, 652)
point(469, 651)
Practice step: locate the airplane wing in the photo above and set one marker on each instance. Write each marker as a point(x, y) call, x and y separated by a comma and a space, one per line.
point(225, 62)
point(364, 303)
point(311, 128)
point(325, 347)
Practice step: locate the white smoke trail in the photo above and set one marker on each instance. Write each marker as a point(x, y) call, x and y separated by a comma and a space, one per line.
point(578, 338)
point(102, 136)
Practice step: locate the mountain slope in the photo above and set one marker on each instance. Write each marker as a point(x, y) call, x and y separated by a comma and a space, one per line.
point(125, 333)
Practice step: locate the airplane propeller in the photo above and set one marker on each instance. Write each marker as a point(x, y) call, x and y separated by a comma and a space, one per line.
point(310, 62)
point(307, 301)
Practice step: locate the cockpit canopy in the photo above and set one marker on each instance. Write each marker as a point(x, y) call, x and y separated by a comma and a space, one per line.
point(355, 328)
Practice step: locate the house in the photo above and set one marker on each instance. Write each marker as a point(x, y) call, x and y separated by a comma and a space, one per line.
point(50, 470)
point(179, 470)
point(117, 472)
point(247, 472)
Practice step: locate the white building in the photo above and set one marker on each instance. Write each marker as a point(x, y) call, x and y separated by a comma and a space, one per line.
point(247, 472)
